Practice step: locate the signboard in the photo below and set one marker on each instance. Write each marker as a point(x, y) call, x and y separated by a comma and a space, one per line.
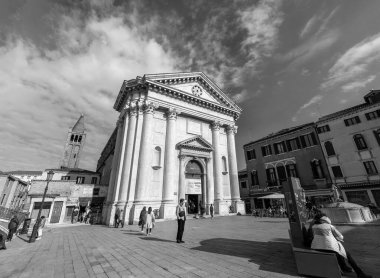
point(297, 211)
point(193, 186)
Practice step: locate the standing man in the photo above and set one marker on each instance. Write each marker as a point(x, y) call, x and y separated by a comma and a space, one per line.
point(12, 227)
point(181, 218)
point(212, 211)
point(117, 219)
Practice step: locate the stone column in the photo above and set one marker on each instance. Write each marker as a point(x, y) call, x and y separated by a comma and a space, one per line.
point(143, 177)
point(114, 167)
point(126, 170)
point(210, 183)
point(237, 203)
point(115, 190)
point(168, 205)
point(220, 206)
point(233, 171)
point(181, 187)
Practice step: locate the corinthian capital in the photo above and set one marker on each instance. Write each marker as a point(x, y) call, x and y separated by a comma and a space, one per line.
point(149, 107)
point(172, 114)
point(215, 126)
point(231, 129)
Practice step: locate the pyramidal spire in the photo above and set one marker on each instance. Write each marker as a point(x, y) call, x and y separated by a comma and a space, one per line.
point(79, 126)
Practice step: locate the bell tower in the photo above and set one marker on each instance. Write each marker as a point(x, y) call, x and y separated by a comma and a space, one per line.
point(74, 145)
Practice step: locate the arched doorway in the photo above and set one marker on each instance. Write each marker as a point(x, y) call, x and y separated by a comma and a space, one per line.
point(194, 192)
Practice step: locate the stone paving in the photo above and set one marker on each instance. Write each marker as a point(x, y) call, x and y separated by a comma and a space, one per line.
point(234, 246)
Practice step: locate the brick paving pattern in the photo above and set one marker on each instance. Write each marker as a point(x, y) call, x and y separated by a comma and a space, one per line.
point(235, 246)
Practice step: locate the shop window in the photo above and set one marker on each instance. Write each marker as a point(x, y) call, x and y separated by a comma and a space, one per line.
point(370, 167)
point(360, 142)
point(251, 154)
point(329, 148)
point(337, 172)
point(352, 121)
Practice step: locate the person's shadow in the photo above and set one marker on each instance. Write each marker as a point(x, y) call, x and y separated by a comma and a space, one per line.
point(273, 256)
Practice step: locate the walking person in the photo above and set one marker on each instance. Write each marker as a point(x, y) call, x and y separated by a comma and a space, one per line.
point(327, 238)
point(2, 242)
point(149, 221)
point(12, 227)
point(212, 211)
point(142, 219)
point(41, 226)
point(121, 220)
point(116, 219)
point(181, 218)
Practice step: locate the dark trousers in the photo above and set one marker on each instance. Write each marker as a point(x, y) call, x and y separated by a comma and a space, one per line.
point(181, 228)
point(10, 234)
point(342, 261)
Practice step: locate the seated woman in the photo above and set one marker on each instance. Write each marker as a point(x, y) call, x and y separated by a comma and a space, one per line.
point(328, 239)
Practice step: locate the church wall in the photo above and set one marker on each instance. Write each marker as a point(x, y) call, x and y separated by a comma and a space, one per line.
point(105, 170)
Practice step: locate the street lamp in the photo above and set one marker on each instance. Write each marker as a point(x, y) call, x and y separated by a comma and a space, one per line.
point(35, 227)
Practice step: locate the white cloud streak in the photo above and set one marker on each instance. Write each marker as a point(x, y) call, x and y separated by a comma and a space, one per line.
point(354, 63)
point(43, 92)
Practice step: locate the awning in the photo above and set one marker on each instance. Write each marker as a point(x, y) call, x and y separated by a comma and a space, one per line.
point(273, 196)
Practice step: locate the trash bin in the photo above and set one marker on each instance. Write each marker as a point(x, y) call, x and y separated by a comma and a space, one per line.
point(25, 226)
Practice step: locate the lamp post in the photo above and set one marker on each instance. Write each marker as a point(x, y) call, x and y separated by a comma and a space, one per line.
point(36, 225)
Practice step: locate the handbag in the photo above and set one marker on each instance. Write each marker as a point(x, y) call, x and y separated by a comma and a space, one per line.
point(181, 213)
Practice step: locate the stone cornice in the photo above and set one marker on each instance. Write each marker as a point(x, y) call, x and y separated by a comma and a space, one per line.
point(185, 144)
point(160, 86)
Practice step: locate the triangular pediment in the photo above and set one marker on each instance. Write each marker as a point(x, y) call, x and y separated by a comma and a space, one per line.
point(197, 142)
point(195, 84)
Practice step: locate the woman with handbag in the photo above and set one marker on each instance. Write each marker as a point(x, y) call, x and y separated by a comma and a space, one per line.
point(181, 218)
point(142, 219)
point(326, 238)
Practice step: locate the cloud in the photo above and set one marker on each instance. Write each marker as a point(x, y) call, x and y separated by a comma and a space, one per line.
point(43, 91)
point(309, 26)
point(314, 100)
point(321, 19)
point(354, 86)
point(354, 63)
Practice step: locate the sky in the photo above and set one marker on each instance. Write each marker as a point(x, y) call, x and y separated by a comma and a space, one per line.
point(285, 63)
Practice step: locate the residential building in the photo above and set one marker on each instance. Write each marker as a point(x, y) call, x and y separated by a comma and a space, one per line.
point(351, 144)
point(175, 139)
point(80, 176)
point(13, 192)
point(244, 189)
point(26, 175)
point(291, 152)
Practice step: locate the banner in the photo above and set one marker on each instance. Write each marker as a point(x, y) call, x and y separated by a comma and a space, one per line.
point(193, 186)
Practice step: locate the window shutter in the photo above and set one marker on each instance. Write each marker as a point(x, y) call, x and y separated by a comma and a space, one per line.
point(313, 138)
point(298, 142)
point(303, 142)
point(378, 112)
point(357, 119)
point(248, 155)
point(288, 146)
point(263, 150)
point(346, 122)
point(328, 127)
point(275, 148)
point(254, 154)
point(377, 136)
point(367, 116)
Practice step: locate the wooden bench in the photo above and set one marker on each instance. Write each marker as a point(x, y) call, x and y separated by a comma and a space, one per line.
point(314, 263)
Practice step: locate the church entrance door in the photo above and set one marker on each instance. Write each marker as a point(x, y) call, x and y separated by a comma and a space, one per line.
point(194, 186)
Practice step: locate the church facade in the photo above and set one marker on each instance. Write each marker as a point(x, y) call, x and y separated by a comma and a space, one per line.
point(175, 138)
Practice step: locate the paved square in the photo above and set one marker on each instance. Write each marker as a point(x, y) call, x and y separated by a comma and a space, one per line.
point(235, 246)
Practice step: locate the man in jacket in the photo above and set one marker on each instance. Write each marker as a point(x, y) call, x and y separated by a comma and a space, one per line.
point(12, 227)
